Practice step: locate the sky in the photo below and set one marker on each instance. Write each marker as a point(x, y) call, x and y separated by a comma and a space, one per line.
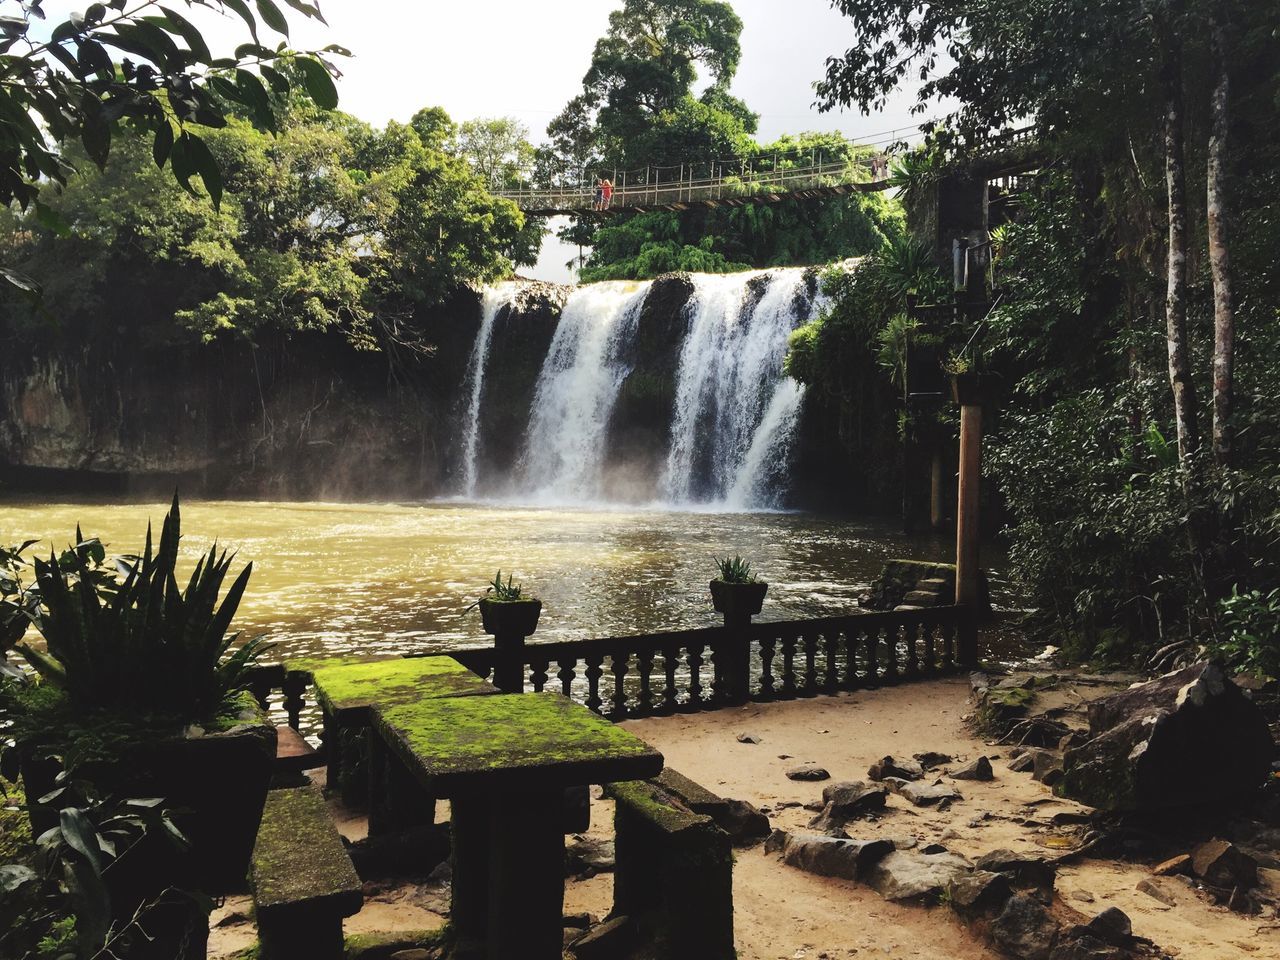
point(526, 59)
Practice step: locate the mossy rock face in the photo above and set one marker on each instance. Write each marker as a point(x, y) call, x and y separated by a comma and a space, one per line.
point(1000, 707)
point(651, 802)
point(381, 946)
point(346, 691)
point(299, 858)
point(530, 740)
point(899, 577)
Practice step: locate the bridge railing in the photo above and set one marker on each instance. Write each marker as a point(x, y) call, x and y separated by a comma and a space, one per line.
point(688, 671)
point(657, 188)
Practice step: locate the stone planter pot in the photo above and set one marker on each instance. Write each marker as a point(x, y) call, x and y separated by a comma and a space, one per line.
point(738, 599)
point(510, 617)
point(215, 783)
point(971, 389)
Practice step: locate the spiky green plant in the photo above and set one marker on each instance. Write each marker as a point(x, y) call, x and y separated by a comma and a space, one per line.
point(137, 644)
point(736, 570)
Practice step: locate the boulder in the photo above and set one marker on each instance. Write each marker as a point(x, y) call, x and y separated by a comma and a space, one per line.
point(1190, 737)
point(808, 772)
point(902, 769)
point(931, 760)
point(1024, 929)
point(1174, 865)
point(979, 892)
point(1025, 870)
point(742, 821)
point(1156, 890)
point(910, 875)
point(979, 769)
point(834, 857)
point(828, 823)
point(1222, 864)
point(1046, 767)
point(1111, 925)
point(853, 798)
point(923, 794)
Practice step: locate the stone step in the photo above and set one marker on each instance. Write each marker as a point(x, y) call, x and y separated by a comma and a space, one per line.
point(932, 582)
point(907, 606)
point(923, 597)
point(293, 753)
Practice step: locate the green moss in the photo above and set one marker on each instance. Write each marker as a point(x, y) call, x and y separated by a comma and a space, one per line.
point(474, 734)
point(648, 800)
point(376, 946)
point(355, 686)
point(309, 665)
point(299, 855)
point(15, 828)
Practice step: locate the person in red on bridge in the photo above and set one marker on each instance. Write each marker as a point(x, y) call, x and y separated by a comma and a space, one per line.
point(607, 188)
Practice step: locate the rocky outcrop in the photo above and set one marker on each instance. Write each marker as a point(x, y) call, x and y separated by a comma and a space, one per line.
point(1190, 737)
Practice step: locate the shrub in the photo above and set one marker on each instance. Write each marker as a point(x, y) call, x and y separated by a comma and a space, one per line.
point(1251, 624)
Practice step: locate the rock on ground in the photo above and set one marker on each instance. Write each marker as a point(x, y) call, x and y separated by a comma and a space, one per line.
point(1190, 737)
point(910, 875)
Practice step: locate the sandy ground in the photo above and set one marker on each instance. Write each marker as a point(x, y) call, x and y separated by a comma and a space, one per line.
point(785, 914)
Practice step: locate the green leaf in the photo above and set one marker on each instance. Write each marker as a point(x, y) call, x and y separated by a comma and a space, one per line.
point(80, 835)
point(187, 30)
point(163, 143)
point(272, 17)
point(311, 10)
point(205, 164)
point(277, 80)
point(318, 82)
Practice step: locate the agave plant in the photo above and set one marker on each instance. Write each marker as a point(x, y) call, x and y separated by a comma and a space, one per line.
point(736, 570)
point(133, 642)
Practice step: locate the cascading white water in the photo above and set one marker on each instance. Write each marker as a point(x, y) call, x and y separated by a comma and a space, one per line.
point(734, 415)
point(494, 299)
point(566, 445)
point(731, 376)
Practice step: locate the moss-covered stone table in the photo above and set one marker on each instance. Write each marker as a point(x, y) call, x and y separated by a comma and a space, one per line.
point(504, 763)
point(346, 691)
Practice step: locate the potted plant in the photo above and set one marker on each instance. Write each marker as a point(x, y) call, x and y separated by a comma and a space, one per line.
point(505, 611)
point(969, 386)
point(737, 591)
point(139, 693)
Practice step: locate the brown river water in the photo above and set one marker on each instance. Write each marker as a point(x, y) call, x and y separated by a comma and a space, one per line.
point(379, 579)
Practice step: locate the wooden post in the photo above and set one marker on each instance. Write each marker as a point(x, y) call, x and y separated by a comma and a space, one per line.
point(967, 557)
point(937, 505)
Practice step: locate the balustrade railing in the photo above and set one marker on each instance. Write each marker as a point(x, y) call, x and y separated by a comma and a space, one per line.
point(692, 670)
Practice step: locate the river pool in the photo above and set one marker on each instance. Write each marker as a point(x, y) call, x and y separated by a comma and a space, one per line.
point(392, 578)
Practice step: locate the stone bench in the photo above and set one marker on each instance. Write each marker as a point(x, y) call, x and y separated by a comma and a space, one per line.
point(673, 873)
point(302, 879)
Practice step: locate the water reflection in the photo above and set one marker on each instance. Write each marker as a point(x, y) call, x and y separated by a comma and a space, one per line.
point(381, 579)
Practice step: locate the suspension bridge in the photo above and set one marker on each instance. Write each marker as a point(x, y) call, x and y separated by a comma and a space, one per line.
point(769, 178)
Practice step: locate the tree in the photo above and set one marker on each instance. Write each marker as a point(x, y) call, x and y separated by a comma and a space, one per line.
point(144, 66)
point(1216, 212)
point(644, 66)
point(329, 225)
point(498, 149)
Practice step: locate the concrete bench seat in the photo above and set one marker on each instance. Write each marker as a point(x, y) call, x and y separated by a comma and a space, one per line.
point(673, 873)
point(303, 881)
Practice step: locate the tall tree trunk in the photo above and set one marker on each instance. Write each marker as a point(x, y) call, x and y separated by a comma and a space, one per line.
point(1185, 409)
point(1224, 319)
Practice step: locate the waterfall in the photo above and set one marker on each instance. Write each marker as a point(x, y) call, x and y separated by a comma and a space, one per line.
point(732, 420)
point(494, 299)
point(730, 376)
point(566, 444)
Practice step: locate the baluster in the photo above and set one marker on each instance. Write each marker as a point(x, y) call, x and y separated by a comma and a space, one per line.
point(294, 686)
point(695, 677)
point(261, 690)
point(766, 667)
point(568, 670)
point(538, 675)
point(789, 666)
point(670, 695)
point(930, 655)
point(644, 664)
point(891, 654)
point(910, 632)
point(873, 657)
point(810, 688)
point(831, 640)
point(593, 673)
point(948, 647)
point(618, 703)
point(851, 640)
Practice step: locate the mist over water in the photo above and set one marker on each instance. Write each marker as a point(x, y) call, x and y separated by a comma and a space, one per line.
point(731, 423)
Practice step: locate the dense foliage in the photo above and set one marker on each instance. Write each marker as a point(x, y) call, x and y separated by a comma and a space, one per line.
point(1136, 301)
point(331, 224)
point(145, 70)
point(638, 112)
